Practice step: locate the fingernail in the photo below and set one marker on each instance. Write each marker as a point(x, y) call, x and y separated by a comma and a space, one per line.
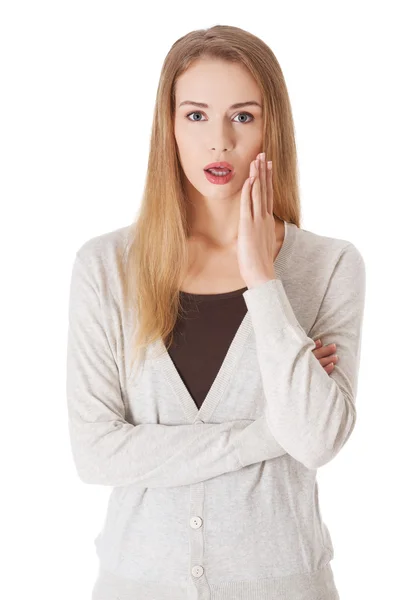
point(270, 164)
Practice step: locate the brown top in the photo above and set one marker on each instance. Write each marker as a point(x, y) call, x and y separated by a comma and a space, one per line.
point(203, 336)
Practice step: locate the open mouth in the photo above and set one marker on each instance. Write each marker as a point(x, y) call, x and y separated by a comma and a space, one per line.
point(218, 176)
point(219, 172)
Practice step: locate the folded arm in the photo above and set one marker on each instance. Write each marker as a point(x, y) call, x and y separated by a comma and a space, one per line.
point(311, 413)
point(107, 449)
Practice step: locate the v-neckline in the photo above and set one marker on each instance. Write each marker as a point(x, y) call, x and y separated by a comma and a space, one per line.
point(165, 364)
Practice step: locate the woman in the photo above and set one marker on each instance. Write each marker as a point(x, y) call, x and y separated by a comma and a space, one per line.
point(232, 314)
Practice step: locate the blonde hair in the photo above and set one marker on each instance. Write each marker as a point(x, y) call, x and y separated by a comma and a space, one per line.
point(158, 251)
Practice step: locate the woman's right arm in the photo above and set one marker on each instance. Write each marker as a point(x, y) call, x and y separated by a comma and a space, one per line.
point(107, 450)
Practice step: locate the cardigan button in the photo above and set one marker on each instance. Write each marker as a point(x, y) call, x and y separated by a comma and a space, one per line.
point(197, 571)
point(195, 522)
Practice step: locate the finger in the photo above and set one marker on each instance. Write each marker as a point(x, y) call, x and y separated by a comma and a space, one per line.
point(263, 181)
point(329, 368)
point(256, 193)
point(245, 214)
point(252, 168)
point(270, 193)
point(324, 350)
point(333, 358)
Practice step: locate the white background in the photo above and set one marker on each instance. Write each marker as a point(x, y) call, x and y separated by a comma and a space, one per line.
point(78, 83)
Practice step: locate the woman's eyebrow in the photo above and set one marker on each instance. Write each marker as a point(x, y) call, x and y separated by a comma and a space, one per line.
point(237, 105)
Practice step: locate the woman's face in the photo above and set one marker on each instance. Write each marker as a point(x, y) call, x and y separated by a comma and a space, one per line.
point(217, 132)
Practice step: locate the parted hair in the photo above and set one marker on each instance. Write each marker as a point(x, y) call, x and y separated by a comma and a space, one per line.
point(157, 255)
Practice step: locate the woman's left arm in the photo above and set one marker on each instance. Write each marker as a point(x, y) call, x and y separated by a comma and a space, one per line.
point(309, 412)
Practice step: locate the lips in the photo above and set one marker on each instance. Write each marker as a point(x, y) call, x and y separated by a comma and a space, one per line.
point(219, 165)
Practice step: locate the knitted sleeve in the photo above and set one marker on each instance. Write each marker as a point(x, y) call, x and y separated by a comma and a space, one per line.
point(311, 413)
point(108, 450)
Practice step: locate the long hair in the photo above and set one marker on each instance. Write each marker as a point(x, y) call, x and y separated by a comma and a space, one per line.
point(157, 256)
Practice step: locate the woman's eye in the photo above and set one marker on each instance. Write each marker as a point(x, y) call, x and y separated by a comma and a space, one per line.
point(245, 114)
point(193, 113)
point(239, 114)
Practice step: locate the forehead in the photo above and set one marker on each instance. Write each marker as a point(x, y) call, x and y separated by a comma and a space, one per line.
point(217, 82)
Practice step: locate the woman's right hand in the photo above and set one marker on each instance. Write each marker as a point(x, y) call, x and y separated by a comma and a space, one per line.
point(325, 355)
